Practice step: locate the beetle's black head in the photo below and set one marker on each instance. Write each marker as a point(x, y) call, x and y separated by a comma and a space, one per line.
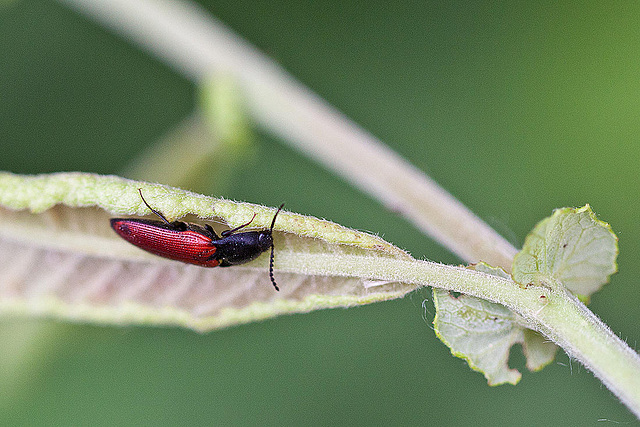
point(265, 240)
point(265, 237)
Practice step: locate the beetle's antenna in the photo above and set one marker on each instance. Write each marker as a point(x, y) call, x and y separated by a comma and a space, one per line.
point(275, 285)
point(153, 210)
point(274, 217)
point(233, 230)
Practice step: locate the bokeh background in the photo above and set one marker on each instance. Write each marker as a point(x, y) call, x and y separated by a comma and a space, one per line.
point(515, 108)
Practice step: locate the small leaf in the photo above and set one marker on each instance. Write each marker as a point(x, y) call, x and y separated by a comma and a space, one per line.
point(571, 247)
point(59, 257)
point(538, 350)
point(482, 333)
point(479, 331)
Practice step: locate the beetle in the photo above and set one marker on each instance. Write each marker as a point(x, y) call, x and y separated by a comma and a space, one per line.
point(195, 244)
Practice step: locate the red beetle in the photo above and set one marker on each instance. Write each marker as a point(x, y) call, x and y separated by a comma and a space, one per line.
point(195, 244)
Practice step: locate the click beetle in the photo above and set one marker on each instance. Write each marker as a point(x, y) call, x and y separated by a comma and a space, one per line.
point(195, 244)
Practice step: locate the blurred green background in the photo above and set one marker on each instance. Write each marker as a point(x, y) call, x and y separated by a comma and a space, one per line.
point(515, 108)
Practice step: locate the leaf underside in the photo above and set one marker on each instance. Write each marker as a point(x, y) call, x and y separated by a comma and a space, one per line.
point(60, 258)
point(482, 333)
point(479, 332)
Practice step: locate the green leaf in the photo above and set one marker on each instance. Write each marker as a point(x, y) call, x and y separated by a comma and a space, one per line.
point(571, 248)
point(59, 257)
point(538, 350)
point(482, 333)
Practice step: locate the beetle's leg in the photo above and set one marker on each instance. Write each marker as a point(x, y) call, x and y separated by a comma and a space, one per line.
point(213, 235)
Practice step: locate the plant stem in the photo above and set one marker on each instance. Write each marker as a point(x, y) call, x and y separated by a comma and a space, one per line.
point(556, 313)
point(585, 337)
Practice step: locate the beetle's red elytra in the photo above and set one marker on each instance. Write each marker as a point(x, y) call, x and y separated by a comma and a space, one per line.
point(195, 244)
